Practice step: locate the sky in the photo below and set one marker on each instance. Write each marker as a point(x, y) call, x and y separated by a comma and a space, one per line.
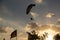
point(13, 15)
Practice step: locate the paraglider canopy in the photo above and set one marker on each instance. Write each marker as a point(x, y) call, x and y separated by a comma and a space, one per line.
point(29, 8)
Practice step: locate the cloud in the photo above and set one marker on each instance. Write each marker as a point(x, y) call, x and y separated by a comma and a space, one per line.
point(5, 32)
point(1, 19)
point(5, 23)
point(2, 30)
point(22, 36)
point(34, 15)
point(56, 28)
point(30, 26)
point(9, 29)
point(6, 29)
point(38, 1)
point(58, 21)
point(5, 26)
point(34, 26)
point(50, 15)
point(43, 27)
point(51, 25)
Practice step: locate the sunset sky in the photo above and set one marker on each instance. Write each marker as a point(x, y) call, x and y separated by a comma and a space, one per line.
point(13, 16)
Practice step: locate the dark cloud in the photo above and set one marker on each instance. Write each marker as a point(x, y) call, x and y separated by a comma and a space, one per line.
point(0, 1)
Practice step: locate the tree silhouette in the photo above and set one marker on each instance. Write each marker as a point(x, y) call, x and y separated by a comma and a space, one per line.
point(33, 36)
point(57, 37)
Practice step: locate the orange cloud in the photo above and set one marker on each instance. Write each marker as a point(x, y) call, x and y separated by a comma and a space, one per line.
point(9, 29)
point(22, 36)
point(6, 29)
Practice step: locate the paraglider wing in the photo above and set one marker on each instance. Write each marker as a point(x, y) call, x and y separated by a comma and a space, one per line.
point(29, 8)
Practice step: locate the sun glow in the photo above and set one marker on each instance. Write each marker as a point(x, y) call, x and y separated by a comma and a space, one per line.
point(50, 34)
point(50, 37)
